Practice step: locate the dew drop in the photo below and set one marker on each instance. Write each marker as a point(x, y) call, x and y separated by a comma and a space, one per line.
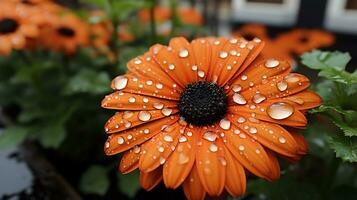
point(282, 140)
point(137, 61)
point(166, 111)
point(233, 52)
point(213, 148)
point(233, 41)
point(271, 63)
point(145, 100)
point(253, 130)
point(132, 99)
point(183, 158)
point(291, 78)
point(168, 138)
point(171, 66)
point(182, 139)
point(244, 77)
point(201, 73)
point(146, 131)
point(236, 88)
point(194, 67)
point(210, 136)
point(282, 86)
point(158, 105)
point(280, 110)
point(161, 149)
point(127, 124)
point(241, 120)
point(239, 99)
point(241, 147)
point(258, 98)
point(149, 82)
point(236, 131)
point(120, 140)
point(298, 101)
point(144, 116)
point(136, 149)
point(225, 124)
point(242, 135)
point(107, 145)
point(183, 53)
point(127, 114)
point(120, 82)
point(159, 86)
point(257, 40)
point(162, 160)
point(223, 54)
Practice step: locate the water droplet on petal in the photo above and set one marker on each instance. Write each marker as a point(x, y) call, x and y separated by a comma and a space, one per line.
point(241, 120)
point(201, 73)
point(241, 147)
point(161, 149)
point(120, 82)
point(182, 139)
point(244, 77)
point(149, 82)
point(183, 53)
point(291, 78)
point(194, 67)
point(107, 145)
point(158, 105)
point(136, 149)
point(280, 110)
point(166, 111)
point(144, 116)
point(146, 131)
point(159, 86)
point(271, 63)
point(258, 98)
point(162, 160)
point(223, 54)
point(225, 124)
point(282, 140)
point(127, 124)
point(132, 99)
point(145, 100)
point(257, 40)
point(282, 86)
point(222, 160)
point(168, 138)
point(127, 114)
point(120, 140)
point(236, 88)
point(239, 99)
point(171, 66)
point(233, 41)
point(210, 136)
point(253, 130)
point(183, 158)
point(213, 148)
point(137, 61)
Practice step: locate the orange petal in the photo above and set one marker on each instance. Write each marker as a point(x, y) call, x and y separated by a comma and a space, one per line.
point(158, 149)
point(192, 186)
point(180, 162)
point(211, 165)
point(270, 135)
point(5, 47)
point(202, 49)
point(130, 160)
point(304, 100)
point(249, 153)
point(235, 175)
point(274, 165)
point(177, 60)
point(149, 180)
point(145, 86)
point(129, 119)
point(278, 86)
point(126, 101)
point(122, 141)
point(259, 73)
point(29, 30)
point(146, 66)
point(18, 41)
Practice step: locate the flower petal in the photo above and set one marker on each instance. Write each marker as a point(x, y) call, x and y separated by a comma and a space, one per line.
point(149, 180)
point(129, 119)
point(192, 186)
point(235, 175)
point(270, 135)
point(130, 160)
point(158, 149)
point(210, 165)
point(180, 162)
point(127, 101)
point(202, 49)
point(125, 140)
point(304, 100)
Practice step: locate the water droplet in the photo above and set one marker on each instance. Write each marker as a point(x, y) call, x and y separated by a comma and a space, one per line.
point(257, 40)
point(298, 101)
point(127, 124)
point(225, 124)
point(120, 140)
point(201, 73)
point(291, 78)
point(132, 99)
point(242, 135)
point(236, 88)
point(168, 138)
point(120, 82)
point(258, 98)
point(159, 86)
point(282, 86)
point(107, 145)
point(233, 52)
point(146, 131)
point(241, 120)
point(236, 131)
point(217, 42)
point(257, 151)
point(166, 111)
point(137, 61)
point(239, 99)
point(162, 160)
point(182, 139)
point(282, 140)
point(136, 149)
point(194, 67)
point(223, 54)
point(183, 158)
point(127, 114)
point(129, 137)
point(280, 110)
point(210, 136)
point(253, 130)
point(144, 116)
point(183, 53)
point(244, 77)
point(158, 105)
point(233, 41)
point(171, 66)
point(149, 82)
point(161, 149)
point(271, 63)
point(145, 100)
point(241, 147)
point(213, 148)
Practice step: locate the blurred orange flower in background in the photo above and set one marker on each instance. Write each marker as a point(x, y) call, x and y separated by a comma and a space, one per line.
point(191, 112)
point(16, 25)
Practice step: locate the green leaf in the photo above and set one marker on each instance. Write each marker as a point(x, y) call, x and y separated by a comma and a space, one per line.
point(129, 183)
point(345, 147)
point(88, 81)
point(321, 60)
point(52, 136)
point(12, 136)
point(339, 76)
point(94, 180)
point(98, 3)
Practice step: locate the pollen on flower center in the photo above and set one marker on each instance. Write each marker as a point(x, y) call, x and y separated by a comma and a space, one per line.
point(65, 31)
point(8, 25)
point(203, 103)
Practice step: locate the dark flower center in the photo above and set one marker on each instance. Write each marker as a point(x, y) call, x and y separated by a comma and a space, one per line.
point(203, 103)
point(66, 32)
point(8, 25)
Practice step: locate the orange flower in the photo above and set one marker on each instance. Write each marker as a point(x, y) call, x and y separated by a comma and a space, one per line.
point(101, 29)
point(16, 25)
point(200, 114)
point(65, 33)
